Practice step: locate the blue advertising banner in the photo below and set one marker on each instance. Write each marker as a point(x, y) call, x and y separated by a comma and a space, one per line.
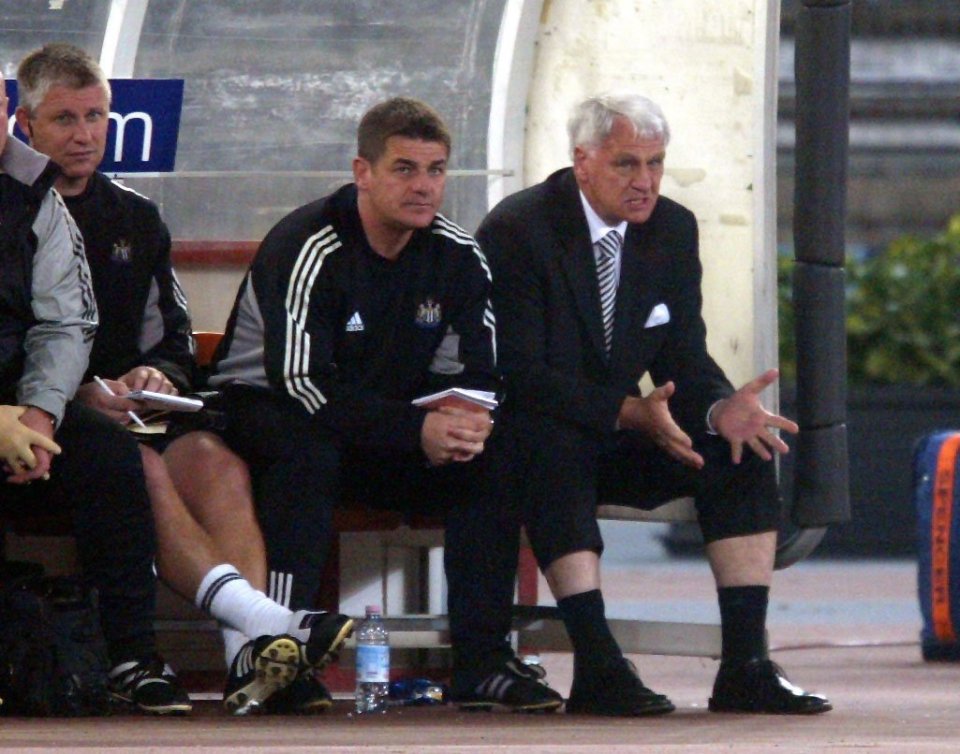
point(144, 124)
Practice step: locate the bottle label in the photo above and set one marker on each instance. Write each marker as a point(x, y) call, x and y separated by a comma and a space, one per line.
point(373, 663)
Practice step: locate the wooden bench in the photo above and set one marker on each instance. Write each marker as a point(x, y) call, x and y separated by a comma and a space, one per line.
point(419, 620)
point(192, 638)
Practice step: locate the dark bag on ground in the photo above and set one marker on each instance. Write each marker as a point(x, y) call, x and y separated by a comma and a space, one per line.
point(53, 658)
point(936, 489)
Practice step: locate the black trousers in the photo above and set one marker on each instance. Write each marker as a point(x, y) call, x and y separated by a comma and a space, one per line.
point(98, 478)
point(560, 472)
point(301, 471)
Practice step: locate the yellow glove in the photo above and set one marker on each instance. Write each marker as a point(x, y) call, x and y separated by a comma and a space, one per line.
point(16, 439)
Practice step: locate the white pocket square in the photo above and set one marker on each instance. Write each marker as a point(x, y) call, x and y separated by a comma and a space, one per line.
point(659, 316)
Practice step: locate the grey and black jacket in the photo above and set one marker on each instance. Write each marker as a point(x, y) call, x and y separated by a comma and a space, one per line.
point(48, 315)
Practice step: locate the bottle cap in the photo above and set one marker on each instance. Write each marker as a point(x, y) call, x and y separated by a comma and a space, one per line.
point(373, 609)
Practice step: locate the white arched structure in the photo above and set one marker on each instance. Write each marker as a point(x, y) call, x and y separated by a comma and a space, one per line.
point(121, 37)
point(509, 91)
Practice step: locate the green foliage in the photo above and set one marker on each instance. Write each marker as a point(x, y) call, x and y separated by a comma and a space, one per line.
point(787, 335)
point(903, 313)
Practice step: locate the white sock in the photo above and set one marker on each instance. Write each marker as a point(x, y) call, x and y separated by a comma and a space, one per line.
point(279, 588)
point(230, 598)
point(233, 642)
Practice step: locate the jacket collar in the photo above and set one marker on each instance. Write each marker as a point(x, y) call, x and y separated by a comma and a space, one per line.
point(640, 276)
point(27, 166)
point(576, 259)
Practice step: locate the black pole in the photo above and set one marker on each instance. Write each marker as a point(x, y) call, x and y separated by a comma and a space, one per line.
point(821, 486)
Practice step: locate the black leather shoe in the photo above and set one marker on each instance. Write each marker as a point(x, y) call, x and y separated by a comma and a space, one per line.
point(761, 686)
point(615, 691)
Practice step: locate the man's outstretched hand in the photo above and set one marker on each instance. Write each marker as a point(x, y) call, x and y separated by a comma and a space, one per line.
point(651, 415)
point(742, 420)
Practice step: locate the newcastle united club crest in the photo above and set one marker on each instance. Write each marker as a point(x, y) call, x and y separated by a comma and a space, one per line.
point(121, 251)
point(428, 314)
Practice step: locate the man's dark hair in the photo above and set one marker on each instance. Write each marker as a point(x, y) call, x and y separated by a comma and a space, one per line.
point(400, 116)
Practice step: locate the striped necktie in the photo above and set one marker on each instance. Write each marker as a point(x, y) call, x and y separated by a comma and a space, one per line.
point(607, 249)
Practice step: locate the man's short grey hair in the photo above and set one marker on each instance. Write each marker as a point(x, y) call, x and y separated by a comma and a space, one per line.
point(57, 64)
point(592, 120)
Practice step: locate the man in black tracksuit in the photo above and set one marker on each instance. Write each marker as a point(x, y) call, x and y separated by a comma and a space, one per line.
point(355, 305)
point(55, 453)
point(128, 250)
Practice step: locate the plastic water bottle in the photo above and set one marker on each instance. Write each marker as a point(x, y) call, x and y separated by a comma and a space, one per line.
point(373, 663)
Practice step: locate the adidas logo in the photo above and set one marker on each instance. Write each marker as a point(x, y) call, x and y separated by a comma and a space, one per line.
point(355, 324)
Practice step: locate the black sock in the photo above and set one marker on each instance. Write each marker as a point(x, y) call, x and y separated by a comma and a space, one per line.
point(743, 620)
point(586, 621)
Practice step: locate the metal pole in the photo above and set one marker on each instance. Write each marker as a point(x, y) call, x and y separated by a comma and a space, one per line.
point(821, 488)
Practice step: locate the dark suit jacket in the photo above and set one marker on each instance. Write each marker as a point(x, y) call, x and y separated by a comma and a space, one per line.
point(547, 304)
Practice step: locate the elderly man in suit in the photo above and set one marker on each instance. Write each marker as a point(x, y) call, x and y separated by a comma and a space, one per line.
point(597, 281)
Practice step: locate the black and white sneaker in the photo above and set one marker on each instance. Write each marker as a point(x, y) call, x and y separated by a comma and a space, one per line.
point(149, 685)
point(516, 687)
point(320, 634)
point(305, 696)
point(261, 668)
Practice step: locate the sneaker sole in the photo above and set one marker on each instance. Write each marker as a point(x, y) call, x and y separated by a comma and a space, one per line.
point(328, 655)
point(304, 710)
point(314, 708)
point(276, 667)
point(551, 706)
point(181, 708)
point(307, 706)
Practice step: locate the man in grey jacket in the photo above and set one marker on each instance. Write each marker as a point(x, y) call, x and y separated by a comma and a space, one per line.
point(55, 453)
